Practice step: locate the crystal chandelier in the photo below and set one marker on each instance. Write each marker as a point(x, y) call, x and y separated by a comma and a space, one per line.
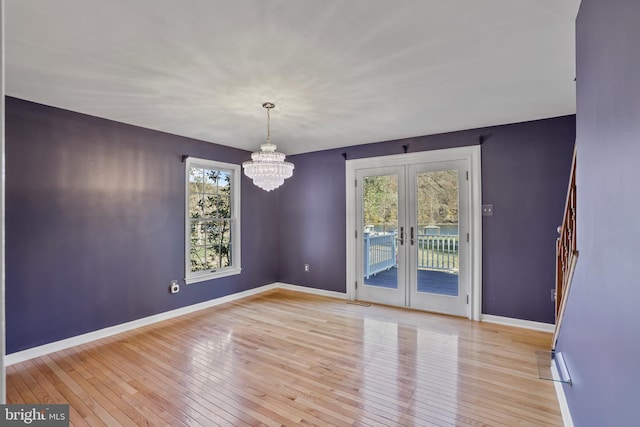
point(267, 167)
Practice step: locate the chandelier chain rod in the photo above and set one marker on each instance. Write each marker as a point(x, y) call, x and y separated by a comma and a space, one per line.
point(268, 126)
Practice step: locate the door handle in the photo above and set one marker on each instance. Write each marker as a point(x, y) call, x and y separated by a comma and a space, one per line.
point(402, 235)
point(412, 238)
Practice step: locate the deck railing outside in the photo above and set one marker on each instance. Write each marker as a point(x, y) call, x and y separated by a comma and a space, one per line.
point(379, 253)
point(438, 252)
point(435, 252)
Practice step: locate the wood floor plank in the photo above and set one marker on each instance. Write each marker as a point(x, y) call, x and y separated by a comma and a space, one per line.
point(285, 358)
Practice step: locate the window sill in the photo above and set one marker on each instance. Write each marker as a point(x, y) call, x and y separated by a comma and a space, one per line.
point(211, 276)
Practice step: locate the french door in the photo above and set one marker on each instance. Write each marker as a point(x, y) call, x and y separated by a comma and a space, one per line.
point(381, 211)
point(413, 223)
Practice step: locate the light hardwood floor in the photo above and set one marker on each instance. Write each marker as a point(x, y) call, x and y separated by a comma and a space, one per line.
point(287, 358)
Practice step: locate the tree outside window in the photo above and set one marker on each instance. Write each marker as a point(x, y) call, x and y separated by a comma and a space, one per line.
point(211, 218)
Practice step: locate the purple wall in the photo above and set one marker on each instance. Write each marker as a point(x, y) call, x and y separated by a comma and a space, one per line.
point(95, 219)
point(94, 224)
point(600, 336)
point(525, 170)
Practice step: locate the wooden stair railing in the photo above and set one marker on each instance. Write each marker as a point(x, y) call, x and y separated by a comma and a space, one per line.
point(566, 251)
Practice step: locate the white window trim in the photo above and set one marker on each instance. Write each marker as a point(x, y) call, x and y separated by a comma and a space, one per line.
point(236, 179)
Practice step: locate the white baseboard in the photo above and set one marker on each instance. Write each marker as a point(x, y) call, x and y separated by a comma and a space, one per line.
point(544, 327)
point(562, 398)
point(314, 291)
point(34, 352)
point(518, 323)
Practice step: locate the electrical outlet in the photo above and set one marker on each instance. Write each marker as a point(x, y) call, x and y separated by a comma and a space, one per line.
point(174, 288)
point(553, 294)
point(306, 268)
point(487, 210)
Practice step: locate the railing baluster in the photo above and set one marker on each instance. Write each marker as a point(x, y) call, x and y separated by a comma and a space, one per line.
point(438, 252)
point(446, 250)
point(435, 252)
point(380, 253)
point(367, 248)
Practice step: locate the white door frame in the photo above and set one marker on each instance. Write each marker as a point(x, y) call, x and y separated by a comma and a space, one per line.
point(471, 155)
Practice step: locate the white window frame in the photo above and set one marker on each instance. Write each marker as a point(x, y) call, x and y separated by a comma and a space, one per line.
point(236, 178)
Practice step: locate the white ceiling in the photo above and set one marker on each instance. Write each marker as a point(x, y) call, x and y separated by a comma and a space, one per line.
point(341, 72)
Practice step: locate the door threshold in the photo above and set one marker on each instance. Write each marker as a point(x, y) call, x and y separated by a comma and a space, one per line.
point(364, 304)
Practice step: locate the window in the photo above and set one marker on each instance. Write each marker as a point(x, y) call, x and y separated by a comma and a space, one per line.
point(212, 225)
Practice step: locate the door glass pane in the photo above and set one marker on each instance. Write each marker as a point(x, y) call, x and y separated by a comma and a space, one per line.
point(437, 236)
point(380, 234)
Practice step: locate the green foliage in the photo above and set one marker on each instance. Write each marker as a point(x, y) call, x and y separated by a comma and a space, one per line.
point(437, 195)
point(210, 213)
point(380, 195)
